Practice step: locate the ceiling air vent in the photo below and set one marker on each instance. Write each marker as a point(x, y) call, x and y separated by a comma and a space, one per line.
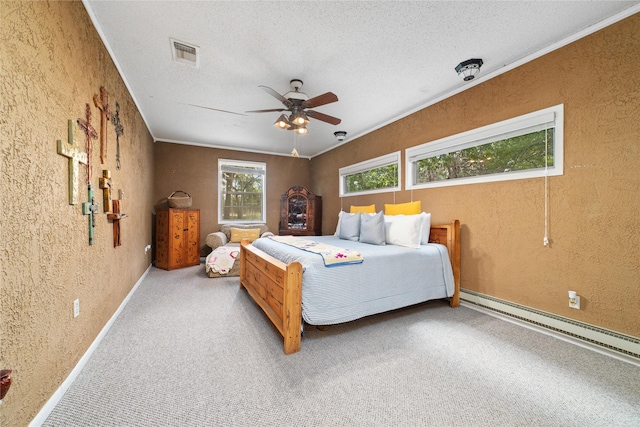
point(185, 53)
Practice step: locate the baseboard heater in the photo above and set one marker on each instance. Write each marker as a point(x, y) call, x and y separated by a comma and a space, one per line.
point(624, 346)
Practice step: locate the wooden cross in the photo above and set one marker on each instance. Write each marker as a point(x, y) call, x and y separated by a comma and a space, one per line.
point(116, 216)
point(115, 119)
point(76, 157)
point(102, 102)
point(89, 132)
point(105, 185)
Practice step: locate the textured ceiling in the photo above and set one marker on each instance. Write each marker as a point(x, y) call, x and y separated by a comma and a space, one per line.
point(383, 59)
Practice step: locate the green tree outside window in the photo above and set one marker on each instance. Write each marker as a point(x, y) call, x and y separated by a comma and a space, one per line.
point(523, 152)
point(242, 188)
point(374, 179)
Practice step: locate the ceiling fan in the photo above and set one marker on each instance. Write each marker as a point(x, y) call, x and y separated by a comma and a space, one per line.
point(297, 104)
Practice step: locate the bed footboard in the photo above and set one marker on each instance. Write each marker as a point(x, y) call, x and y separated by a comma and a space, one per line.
point(277, 288)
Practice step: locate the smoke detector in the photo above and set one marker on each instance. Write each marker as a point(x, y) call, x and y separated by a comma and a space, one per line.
point(340, 135)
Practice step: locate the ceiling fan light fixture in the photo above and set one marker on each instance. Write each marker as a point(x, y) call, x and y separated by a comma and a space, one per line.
point(469, 68)
point(282, 122)
point(296, 104)
point(300, 119)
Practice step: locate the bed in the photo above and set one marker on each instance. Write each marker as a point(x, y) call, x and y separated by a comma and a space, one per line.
point(292, 285)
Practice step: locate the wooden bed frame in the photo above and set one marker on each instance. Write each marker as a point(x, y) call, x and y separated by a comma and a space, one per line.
point(277, 287)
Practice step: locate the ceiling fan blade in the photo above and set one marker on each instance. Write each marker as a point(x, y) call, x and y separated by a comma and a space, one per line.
point(214, 109)
point(276, 95)
point(324, 117)
point(319, 100)
point(266, 111)
point(198, 106)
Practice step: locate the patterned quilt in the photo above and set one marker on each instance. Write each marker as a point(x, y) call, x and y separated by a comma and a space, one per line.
point(332, 255)
point(221, 260)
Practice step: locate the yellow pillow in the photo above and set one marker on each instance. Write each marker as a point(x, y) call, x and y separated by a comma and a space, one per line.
point(363, 209)
point(237, 234)
point(409, 208)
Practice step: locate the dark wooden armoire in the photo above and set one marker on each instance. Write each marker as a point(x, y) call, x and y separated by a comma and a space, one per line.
point(300, 213)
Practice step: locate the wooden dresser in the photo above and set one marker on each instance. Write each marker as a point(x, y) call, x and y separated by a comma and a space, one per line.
point(177, 238)
point(300, 213)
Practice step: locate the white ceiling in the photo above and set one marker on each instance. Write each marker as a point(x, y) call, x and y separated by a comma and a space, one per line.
point(383, 59)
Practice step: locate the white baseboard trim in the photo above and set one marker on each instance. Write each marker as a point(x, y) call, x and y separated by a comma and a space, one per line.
point(55, 398)
point(611, 343)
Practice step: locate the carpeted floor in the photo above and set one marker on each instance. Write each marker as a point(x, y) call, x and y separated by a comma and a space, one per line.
point(189, 350)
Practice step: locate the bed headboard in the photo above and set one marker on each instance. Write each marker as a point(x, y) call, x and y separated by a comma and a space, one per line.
point(449, 235)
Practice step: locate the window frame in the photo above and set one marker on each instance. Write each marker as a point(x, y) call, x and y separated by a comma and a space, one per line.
point(241, 163)
point(551, 117)
point(368, 165)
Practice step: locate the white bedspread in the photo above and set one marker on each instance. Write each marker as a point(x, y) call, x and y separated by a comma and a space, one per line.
point(389, 278)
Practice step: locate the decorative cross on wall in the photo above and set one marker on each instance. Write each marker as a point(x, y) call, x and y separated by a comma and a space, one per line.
point(90, 208)
point(116, 216)
point(102, 102)
point(72, 151)
point(90, 133)
point(105, 185)
point(115, 119)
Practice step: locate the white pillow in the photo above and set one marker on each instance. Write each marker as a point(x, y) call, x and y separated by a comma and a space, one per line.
point(403, 230)
point(426, 227)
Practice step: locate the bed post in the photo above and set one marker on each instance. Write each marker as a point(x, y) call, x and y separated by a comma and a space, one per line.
point(453, 243)
point(449, 235)
point(243, 265)
point(277, 288)
point(292, 315)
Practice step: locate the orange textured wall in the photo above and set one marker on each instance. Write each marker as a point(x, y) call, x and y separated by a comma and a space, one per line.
point(53, 62)
point(195, 170)
point(594, 206)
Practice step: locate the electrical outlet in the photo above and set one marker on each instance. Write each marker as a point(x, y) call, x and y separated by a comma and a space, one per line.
point(76, 308)
point(574, 300)
point(575, 303)
point(147, 248)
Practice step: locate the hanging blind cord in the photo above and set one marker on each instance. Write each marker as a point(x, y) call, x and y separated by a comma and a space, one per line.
point(545, 240)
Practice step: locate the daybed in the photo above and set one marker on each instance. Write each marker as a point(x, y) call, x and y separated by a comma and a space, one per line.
point(226, 243)
point(292, 284)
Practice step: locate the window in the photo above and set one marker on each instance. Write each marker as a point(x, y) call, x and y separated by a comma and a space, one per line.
point(242, 191)
point(378, 175)
point(527, 146)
